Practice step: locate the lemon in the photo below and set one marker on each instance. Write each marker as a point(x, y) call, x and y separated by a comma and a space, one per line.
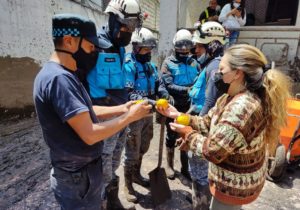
point(162, 103)
point(183, 119)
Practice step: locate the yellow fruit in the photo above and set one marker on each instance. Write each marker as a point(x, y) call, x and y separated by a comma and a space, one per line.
point(162, 103)
point(183, 119)
point(139, 101)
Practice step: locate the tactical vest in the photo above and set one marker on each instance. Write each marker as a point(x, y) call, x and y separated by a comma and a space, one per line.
point(107, 74)
point(183, 74)
point(140, 77)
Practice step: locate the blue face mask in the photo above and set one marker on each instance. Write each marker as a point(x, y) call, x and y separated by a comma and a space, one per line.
point(202, 58)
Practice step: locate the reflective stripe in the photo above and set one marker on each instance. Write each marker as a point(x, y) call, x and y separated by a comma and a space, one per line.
point(206, 14)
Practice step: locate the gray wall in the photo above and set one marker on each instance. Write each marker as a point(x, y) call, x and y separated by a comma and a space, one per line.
point(25, 43)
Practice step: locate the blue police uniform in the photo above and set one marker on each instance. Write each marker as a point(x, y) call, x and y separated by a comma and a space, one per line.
point(142, 82)
point(178, 78)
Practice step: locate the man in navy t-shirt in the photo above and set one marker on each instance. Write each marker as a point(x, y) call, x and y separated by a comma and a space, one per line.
point(69, 121)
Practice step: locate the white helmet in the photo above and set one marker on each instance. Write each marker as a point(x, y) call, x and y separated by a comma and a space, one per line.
point(183, 39)
point(143, 38)
point(128, 12)
point(208, 32)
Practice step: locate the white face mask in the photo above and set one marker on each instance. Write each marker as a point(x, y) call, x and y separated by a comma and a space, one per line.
point(202, 58)
point(236, 5)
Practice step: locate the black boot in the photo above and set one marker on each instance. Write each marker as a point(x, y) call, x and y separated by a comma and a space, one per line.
point(113, 201)
point(201, 196)
point(185, 165)
point(138, 178)
point(170, 163)
point(128, 188)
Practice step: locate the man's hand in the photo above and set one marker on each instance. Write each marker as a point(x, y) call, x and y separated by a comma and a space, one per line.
point(138, 111)
point(127, 105)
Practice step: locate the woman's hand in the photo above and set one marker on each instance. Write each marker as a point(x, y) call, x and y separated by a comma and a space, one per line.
point(181, 129)
point(170, 112)
point(238, 13)
point(183, 144)
point(232, 12)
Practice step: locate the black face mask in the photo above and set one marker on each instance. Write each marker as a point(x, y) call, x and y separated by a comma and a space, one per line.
point(193, 51)
point(143, 58)
point(84, 61)
point(182, 57)
point(124, 39)
point(219, 83)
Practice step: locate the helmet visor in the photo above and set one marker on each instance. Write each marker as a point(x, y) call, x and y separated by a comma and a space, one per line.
point(149, 43)
point(131, 23)
point(184, 44)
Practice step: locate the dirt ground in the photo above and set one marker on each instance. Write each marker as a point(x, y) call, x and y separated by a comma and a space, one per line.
point(25, 166)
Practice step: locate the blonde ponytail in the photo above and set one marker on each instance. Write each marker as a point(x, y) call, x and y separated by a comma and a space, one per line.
point(277, 91)
point(273, 87)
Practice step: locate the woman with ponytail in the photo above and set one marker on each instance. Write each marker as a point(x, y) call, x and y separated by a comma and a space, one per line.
point(242, 130)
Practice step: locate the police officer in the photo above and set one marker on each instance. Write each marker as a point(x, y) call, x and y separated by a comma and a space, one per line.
point(107, 86)
point(69, 121)
point(210, 36)
point(142, 82)
point(179, 72)
point(204, 94)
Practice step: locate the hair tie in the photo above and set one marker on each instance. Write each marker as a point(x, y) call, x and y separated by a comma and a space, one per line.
point(266, 67)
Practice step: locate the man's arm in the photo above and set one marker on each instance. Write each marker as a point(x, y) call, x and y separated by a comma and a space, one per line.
point(92, 133)
point(106, 112)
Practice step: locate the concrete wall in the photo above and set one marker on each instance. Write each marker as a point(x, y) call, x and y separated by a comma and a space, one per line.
point(25, 43)
point(190, 11)
point(167, 27)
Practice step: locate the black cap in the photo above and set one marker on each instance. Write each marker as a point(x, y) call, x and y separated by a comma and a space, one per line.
point(74, 25)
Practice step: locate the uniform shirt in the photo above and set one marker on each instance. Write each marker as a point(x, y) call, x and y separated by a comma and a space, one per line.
point(186, 73)
point(115, 96)
point(58, 96)
point(140, 79)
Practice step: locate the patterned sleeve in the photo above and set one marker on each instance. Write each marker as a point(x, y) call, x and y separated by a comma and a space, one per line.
point(202, 123)
point(226, 137)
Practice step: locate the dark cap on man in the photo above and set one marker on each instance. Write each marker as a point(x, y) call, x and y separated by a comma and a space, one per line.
point(74, 25)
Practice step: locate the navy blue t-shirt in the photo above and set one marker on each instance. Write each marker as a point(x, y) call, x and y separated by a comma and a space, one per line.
point(58, 96)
